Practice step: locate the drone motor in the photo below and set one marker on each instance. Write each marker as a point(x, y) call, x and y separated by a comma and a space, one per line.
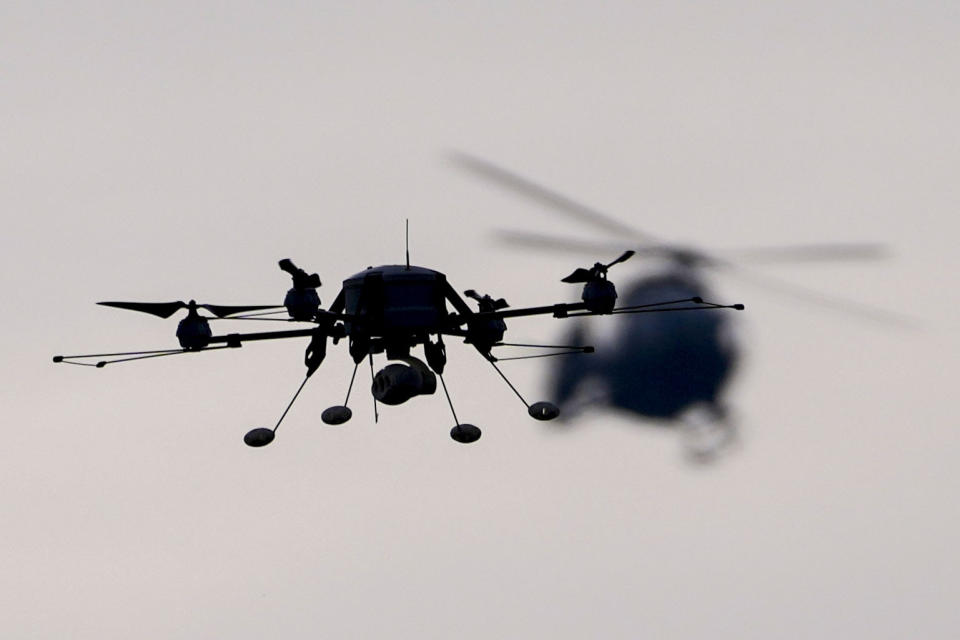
point(193, 332)
point(599, 294)
point(302, 304)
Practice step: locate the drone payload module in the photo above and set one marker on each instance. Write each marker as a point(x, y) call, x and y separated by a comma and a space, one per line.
point(391, 310)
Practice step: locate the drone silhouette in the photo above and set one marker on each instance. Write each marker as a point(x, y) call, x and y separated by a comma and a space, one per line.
point(391, 310)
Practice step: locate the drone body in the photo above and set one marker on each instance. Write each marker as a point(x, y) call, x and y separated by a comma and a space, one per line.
point(393, 310)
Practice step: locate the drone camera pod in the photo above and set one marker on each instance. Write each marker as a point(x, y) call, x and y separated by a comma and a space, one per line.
point(396, 383)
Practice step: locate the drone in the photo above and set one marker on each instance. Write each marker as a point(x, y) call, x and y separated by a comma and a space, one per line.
point(391, 310)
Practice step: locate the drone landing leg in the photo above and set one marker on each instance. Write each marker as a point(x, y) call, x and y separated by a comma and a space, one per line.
point(339, 414)
point(376, 415)
point(537, 410)
point(462, 433)
point(262, 436)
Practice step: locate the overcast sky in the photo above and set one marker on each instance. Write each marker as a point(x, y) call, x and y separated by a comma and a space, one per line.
point(164, 151)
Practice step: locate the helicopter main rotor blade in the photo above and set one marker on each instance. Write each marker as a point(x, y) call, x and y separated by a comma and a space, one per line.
point(804, 253)
point(842, 305)
point(572, 245)
point(530, 189)
point(826, 252)
point(162, 309)
point(584, 213)
point(799, 253)
point(221, 311)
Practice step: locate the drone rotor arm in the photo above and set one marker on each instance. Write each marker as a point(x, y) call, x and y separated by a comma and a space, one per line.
point(556, 310)
point(458, 303)
point(236, 339)
point(579, 309)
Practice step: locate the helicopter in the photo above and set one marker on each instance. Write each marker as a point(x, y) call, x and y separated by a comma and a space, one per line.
point(392, 310)
point(673, 369)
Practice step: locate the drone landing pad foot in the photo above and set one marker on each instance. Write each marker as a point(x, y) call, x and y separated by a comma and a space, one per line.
point(543, 410)
point(465, 433)
point(336, 415)
point(260, 437)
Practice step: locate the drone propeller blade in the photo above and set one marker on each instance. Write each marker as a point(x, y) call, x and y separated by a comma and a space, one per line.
point(580, 275)
point(162, 309)
point(167, 309)
point(626, 255)
point(222, 311)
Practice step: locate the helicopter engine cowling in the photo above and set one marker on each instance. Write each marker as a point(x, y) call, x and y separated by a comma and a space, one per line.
point(396, 383)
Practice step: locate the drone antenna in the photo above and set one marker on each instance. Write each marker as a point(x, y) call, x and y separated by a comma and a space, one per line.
point(408, 244)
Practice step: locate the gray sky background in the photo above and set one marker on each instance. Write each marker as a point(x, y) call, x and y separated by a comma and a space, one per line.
point(165, 151)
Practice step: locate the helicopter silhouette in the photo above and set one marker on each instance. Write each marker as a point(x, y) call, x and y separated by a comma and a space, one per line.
point(391, 310)
point(672, 370)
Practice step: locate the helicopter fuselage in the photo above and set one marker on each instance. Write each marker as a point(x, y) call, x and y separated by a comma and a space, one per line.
point(663, 364)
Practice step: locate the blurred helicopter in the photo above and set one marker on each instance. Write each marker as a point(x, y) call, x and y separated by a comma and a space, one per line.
point(673, 369)
point(390, 310)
